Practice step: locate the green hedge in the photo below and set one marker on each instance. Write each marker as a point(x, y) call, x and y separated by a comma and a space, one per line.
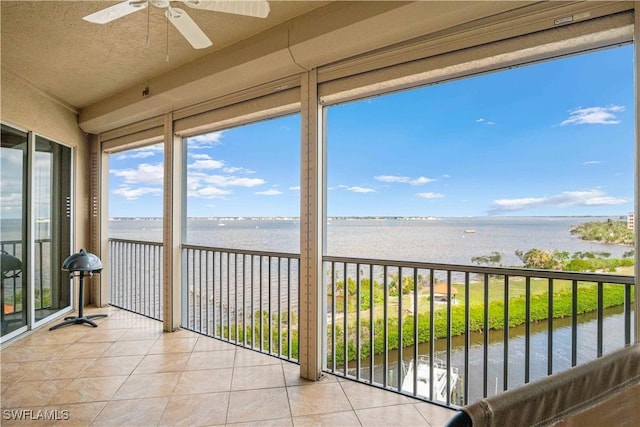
point(562, 307)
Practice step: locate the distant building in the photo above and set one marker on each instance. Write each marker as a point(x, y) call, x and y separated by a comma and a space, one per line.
point(630, 221)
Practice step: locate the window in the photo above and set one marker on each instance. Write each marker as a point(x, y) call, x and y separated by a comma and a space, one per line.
point(500, 163)
point(243, 186)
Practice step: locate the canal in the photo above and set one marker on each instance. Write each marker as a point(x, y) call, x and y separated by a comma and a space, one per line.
point(560, 354)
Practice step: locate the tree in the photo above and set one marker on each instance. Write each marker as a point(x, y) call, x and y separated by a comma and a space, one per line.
point(539, 259)
point(493, 260)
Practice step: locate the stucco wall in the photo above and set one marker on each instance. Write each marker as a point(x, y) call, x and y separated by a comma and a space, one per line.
point(25, 107)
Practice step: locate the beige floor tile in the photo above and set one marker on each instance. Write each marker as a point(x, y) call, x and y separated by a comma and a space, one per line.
point(44, 337)
point(211, 360)
point(72, 415)
point(277, 422)
point(399, 415)
point(56, 369)
point(31, 353)
point(118, 323)
point(256, 405)
point(111, 366)
point(145, 322)
point(245, 357)
point(164, 362)
point(254, 377)
point(148, 385)
point(129, 348)
point(88, 390)
point(180, 333)
point(85, 350)
point(434, 414)
point(212, 344)
point(11, 372)
point(129, 372)
point(343, 419)
point(292, 376)
point(26, 393)
point(134, 334)
point(208, 381)
point(135, 412)
point(177, 345)
point(196, 410)
point(103, 335)
point(363, 396)
point(76, 415)
point(317, 398)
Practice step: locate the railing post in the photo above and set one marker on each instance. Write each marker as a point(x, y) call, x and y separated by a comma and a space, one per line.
point(311, 222)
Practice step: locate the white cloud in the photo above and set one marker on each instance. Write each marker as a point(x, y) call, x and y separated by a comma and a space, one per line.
point(357, 189)
point(208, 192)
point(235, 169)
point(594, 116)
point(141, 153)
point(295, 188)
point(568, 198)
point(200, 156)
point(206, 164)
point(135, 193)
point(11, 201)
point(592, 162)
point(144, 174)
point(205, 141)
point(430, 195)
point(404, 179)
point(231, 181)
point(270, 192)
point(482, 120)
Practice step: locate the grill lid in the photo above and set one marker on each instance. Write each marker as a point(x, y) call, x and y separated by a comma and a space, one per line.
point(82, 261)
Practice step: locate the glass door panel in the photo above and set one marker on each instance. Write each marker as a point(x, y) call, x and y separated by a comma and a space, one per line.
point(52, 226)
point(13, 223)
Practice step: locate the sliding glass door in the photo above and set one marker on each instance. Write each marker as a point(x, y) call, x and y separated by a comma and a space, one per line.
point(35, 221)
point(52, 226)
point(13, 228)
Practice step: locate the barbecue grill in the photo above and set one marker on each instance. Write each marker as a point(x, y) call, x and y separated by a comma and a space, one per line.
point(80, 265)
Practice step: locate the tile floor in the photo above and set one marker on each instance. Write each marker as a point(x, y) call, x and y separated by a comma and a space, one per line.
point(127, 372)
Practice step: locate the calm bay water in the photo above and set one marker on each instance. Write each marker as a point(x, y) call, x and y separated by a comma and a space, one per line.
point(445, 240)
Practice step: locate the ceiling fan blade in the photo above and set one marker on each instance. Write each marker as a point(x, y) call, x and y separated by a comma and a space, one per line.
point(256, 8)
point(116, 11)
point(188, 28)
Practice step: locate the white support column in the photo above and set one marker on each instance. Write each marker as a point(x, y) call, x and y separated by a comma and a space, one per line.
point(99, 213)
point(636, 70)
point(311, 232)
point(171, 227)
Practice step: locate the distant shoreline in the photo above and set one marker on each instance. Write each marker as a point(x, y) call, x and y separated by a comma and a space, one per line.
point(383, 217)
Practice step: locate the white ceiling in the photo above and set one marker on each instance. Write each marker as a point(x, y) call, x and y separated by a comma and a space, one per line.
point(48, 44)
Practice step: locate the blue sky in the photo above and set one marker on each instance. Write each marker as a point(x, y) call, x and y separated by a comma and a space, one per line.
point(555, 138)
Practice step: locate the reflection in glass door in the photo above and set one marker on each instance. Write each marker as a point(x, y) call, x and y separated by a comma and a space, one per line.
point(52, 226)
point(13, 228)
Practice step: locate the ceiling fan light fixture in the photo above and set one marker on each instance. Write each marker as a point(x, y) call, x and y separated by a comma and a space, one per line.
point(179, 18)
point(162, 4)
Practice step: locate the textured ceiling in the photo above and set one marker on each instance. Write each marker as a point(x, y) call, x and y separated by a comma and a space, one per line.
point(48, 44)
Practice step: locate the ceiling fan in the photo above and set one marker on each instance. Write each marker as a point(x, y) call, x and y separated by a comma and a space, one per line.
point(179, 18)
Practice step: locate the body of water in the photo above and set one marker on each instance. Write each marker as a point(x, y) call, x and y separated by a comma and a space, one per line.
point(440, 240)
